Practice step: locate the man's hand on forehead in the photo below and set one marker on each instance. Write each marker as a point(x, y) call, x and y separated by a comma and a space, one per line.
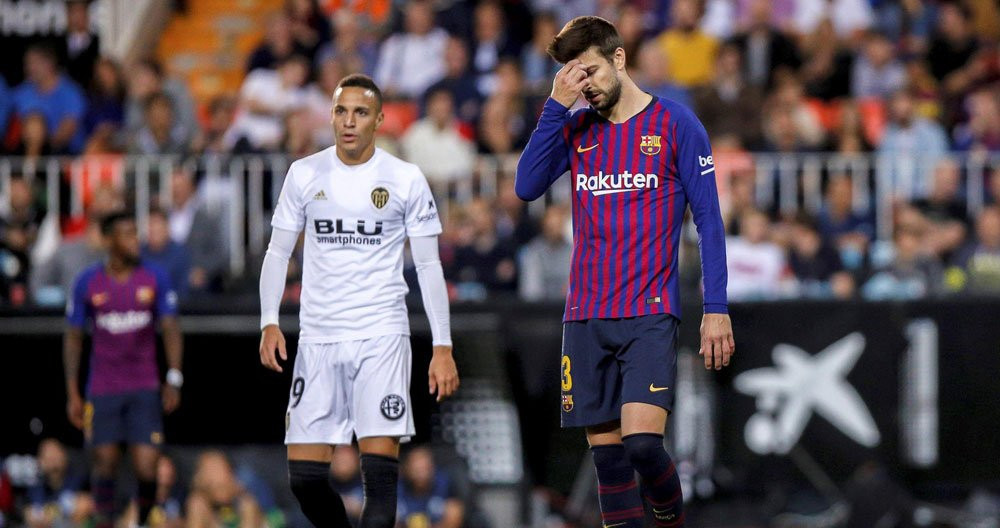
point(569, 83)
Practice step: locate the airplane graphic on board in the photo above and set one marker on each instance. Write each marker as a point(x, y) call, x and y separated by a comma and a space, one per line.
point(802, 384)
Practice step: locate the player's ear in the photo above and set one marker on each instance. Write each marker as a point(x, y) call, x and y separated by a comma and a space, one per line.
point(379, 118)
point(619, 59)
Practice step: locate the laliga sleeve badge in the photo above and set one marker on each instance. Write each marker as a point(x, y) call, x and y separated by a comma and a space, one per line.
point(567, 402)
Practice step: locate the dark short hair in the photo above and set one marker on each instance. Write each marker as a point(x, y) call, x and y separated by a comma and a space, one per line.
point(360, 80)
point(579, 34)
point(110, 220)
point(46, 50)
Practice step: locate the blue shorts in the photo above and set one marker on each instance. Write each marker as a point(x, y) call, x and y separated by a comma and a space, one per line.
point(608, 362)
point(131, 417)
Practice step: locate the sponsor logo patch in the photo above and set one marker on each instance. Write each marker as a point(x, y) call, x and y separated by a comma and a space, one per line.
point(393, 407)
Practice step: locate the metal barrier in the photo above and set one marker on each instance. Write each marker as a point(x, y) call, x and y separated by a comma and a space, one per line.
point(245, 188)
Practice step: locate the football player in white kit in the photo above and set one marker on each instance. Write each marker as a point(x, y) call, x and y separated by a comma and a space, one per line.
point(358, 205)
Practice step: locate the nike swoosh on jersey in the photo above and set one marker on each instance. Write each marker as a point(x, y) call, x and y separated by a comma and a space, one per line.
point(580, 148)
point(656, 389)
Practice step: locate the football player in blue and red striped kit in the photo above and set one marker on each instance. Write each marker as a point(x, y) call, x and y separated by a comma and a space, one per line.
point(636, 162)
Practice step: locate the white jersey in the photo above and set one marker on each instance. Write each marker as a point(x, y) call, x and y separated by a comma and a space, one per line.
point(356, 220)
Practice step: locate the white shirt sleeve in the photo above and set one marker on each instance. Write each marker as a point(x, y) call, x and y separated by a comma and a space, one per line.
point(273, 274)
point(433, 291)
point(421, 211)
point(290, 213)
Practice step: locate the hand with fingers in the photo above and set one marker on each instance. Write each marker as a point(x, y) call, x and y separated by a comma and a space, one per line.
point(442, 375)
point(271, 338)
point(570, 81)
point(717, 344)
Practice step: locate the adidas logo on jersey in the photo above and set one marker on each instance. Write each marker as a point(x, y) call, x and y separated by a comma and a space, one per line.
point(320, 195)
point(616, 183)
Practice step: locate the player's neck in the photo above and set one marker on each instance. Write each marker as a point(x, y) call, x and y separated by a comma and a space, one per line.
point(633, 100)
point(118, 268)
point(362, 157)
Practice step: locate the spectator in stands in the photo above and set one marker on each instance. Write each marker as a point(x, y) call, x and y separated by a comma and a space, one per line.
point(505, 123)
point(651, 75)
point(729, 106)
point(309, 26)
point(160, 133)
point(460, 82)
point(265, 98)
point(847, 18)
point(59, 498)
point(352, 45)
point(15, 261)
point(538, 67)
point(945, 209)
point(213, 139)
point(82, 46)
point(877, 73)
point(106, 105)
point(826, 64)
point(48, 91)
point(912, 274)
point(279, 44)
point(426, 495)
point(981, 133)
point(6, 105)
point(482, 262)
point(766, 51)
point(841, 226)
point(298, 140)
point(34, 134)
point(436, 144)
point(170, 496)
point(757, 267)
point(980, 260)
point(740, 200)
point(53, 279)
point(544, 262)
point(690, 52)
point(788, 101)
point(911, 145)
point(490, 43)
point(146, 78)
point(170, 256)
point(953, 44)
point(631, 27)
point(200, 229)
point(815, 264)
point(217, 498)
point(22, 208)
point(848, 137)
point(319, 99)
point(512, 218)
point(410, 62)
point(345, 478)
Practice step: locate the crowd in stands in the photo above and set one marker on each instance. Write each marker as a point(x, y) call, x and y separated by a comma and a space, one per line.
point(916, 82)
point(53, 490)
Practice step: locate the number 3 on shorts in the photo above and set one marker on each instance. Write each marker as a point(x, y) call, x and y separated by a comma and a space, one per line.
point(567, 379)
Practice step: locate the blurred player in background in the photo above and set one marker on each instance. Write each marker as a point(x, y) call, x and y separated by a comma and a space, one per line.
point(358, 205)
point(636, 162)
point(122, 299)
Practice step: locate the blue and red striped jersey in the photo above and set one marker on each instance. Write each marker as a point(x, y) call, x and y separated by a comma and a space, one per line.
point(632, 182)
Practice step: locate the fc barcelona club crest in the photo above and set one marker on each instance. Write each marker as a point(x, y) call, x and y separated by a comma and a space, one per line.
point(144, 295)
point(380, 197)
point(650, 145)
point(567, 402)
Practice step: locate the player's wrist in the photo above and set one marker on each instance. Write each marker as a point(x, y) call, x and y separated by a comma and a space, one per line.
point(175, 378)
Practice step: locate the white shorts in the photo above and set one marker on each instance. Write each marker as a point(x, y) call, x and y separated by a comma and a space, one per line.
point(352, 387)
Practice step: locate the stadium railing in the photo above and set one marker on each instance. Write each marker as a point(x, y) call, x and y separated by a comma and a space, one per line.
point(242, 189)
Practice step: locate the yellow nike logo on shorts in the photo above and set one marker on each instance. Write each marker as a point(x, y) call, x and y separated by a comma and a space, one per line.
point(656, 389)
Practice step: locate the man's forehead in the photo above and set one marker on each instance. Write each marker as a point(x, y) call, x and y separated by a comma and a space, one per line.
point(591, 57)
point(354, 96)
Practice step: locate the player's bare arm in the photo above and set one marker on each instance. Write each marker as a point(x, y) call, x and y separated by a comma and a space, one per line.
point(173, 345)
point(569, 83)
point(717, 344)
point(72, 351)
